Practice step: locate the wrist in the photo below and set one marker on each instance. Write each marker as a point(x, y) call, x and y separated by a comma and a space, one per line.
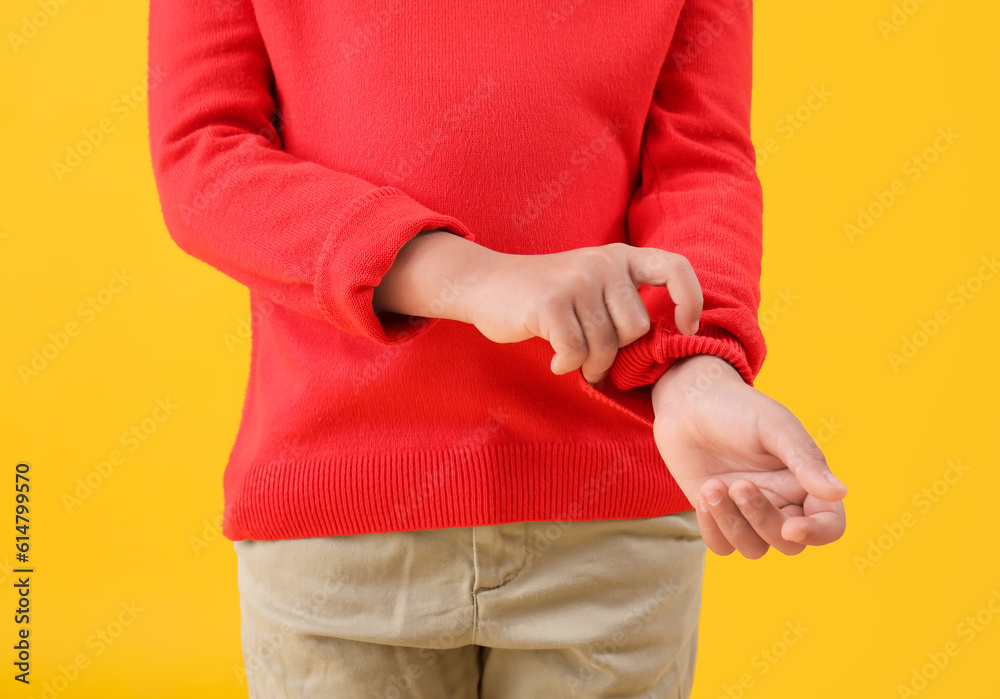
point(431, 276)
point(462, 267)
point(695, 372)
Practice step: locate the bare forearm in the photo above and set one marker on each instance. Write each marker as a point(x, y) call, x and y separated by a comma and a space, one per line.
point(430, 274)
point(585, 302)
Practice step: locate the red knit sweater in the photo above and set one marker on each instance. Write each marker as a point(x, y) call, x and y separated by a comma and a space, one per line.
point(297, 146)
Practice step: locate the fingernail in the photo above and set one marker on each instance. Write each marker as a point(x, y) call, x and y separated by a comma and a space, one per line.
point(833, 479)
point(714, 497)
point(696, 324)
point(798, 536)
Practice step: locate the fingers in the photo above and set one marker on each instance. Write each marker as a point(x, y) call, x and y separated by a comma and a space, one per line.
point(584, 338)
point(783, 435)
point(606, 314)
point(602, 335)
point(627, 311)
point(823, 523)
point(713, 537)
point(745, 520)
point(563, 331)
point(658, 268)
point(599, 310)
point(741, 518)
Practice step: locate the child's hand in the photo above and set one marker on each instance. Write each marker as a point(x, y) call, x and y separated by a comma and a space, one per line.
point(746, 463)
point(584, 302)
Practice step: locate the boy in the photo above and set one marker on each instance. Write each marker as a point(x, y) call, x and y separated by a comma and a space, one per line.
point(426, 201)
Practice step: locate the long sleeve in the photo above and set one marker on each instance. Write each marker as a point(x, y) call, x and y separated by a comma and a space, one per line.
point(297, 147)
point(700, 196)
point(302, 234)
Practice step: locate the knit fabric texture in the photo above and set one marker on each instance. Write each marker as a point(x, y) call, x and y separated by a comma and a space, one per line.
point(297, 146)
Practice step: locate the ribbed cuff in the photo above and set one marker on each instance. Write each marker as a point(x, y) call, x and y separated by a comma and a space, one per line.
point(629, 383)
point(643, 363)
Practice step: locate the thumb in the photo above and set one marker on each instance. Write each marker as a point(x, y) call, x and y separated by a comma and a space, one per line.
point(657, 267)
point(783, 435)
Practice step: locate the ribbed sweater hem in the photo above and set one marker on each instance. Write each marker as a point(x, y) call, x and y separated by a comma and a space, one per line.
point(458, 487)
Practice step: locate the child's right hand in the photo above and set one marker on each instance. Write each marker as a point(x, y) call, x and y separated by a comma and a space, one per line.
point(584, 302)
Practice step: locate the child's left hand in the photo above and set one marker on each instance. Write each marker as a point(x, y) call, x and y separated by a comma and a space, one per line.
point(744, 461)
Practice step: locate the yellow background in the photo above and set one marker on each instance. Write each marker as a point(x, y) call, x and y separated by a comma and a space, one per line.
point(889, 434)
